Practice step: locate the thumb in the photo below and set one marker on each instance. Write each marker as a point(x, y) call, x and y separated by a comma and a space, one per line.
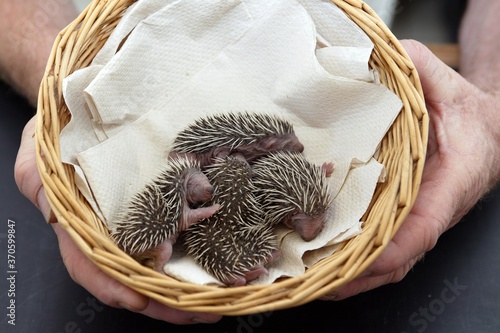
point(26, 172)
point(439, 81)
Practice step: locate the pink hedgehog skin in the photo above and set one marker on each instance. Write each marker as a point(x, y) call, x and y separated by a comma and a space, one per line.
point(247, 134)
point(233, 244)
point(154, 218)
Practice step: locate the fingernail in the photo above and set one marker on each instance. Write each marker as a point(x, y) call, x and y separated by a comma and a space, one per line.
point(329, 297)
point(211, 319)
point(126, 307)
point(197, 320)
point(364, 274)
point(43, 205)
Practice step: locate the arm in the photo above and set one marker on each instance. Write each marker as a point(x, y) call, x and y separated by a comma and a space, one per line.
point(480, 49)
point(480, 45)
point(463, 158)
point(29, 28)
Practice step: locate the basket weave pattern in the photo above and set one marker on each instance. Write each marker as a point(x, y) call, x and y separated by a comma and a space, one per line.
point(402, 152)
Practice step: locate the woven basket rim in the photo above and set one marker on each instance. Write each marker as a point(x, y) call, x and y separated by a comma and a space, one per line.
point(77, 45)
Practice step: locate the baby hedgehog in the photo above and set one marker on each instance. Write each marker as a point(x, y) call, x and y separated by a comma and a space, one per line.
point(293, 191)
point(154, 218)
point(233, 244)
point(250, 134)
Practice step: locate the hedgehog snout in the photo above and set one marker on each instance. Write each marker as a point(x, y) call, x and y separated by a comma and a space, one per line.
point(306, 226)
point(192, 216)
point(198, 188)
point(241, 280)
point(293, 144)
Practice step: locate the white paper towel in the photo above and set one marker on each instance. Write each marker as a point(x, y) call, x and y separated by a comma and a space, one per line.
point(232, 56)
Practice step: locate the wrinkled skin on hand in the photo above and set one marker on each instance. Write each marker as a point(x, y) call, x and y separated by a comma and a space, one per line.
point(462, 166)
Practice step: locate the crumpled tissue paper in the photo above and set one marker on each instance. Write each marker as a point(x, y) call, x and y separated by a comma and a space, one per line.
point(302, 60)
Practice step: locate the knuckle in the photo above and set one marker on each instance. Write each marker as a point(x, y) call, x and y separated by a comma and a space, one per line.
point(105, 297)
point(401, 273)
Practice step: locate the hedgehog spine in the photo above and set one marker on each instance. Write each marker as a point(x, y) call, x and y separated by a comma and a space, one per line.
point(288, 182)
point(153, 214)
point(229, 130)
point(233, 241)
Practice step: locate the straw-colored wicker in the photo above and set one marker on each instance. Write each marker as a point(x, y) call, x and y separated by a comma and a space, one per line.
point(402, 152)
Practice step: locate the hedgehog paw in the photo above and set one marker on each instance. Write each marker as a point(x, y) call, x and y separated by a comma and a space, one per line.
point(162, 252)
point(241, 280)
point(273, 256)
point(156, 257)
point(193, 216)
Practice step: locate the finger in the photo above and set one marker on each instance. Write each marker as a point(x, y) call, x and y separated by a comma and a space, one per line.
point(439, 82)
point(442, 191)
point(461, 124)
point(26, 172)
point(366, 283)
point(83, 271)
point(113, 293)
point(421, 229)
point(417, 235)
point(428, 219)
point(159, 311)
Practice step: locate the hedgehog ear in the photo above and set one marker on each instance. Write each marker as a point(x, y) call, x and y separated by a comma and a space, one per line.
point(289, 220)
point(269, 143)
point(221, 153)
point(307, 227)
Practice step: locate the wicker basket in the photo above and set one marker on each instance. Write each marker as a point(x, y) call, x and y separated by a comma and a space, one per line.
point(402, 152)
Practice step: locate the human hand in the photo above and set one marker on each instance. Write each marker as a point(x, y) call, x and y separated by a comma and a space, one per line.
point(462, 165)
point(83, 271)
